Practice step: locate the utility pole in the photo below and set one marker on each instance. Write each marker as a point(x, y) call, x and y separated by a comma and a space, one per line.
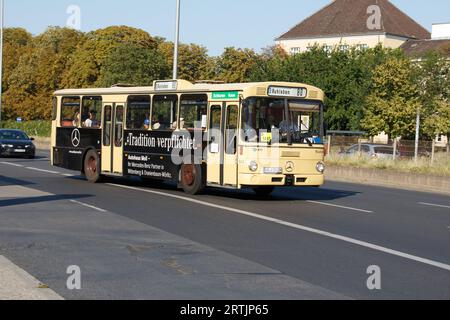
point(2, 16)
point(416, 149)
point(177, 40)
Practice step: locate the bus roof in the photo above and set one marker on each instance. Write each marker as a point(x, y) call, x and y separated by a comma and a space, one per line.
point(185, 86)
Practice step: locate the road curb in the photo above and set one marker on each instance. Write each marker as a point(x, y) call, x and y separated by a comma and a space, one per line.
point(17, 284)
point(390, 179)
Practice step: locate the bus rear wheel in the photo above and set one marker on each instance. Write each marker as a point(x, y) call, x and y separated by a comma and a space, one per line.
point(192, 178)
point(92, 167)
point(263, 191)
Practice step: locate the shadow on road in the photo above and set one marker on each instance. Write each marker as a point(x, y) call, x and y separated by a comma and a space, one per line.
point(280, 194)
point(7, 181)
point(49, 198)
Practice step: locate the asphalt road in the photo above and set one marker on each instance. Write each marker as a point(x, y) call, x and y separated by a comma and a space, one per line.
point(134, 241)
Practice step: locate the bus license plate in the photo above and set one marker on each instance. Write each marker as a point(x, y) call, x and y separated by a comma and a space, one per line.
point(273, 170)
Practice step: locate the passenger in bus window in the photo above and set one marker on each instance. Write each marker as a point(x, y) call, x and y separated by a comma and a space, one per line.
point(92, 122)
point(76, 119)
point(157, 122)
point(146, 123)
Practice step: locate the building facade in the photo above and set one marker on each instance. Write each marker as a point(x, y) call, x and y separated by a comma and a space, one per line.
point(353, 23)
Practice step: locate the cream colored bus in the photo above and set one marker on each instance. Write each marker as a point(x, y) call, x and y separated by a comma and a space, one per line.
point(245, 135)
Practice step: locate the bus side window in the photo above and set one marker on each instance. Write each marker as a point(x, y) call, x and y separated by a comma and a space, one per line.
point(70, 112)
point(54, 108)
point(193, 112)
point(138, 113)
point(231, 129)
point(118, 129)
point(165, 112)
point(91, 112)
point(107, 123)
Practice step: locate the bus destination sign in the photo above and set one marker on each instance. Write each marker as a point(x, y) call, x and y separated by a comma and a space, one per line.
point(166, 85)
point(226, 95)
point(287, 92)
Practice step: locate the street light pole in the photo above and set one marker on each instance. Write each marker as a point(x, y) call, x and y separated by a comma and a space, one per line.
point(177, 40)
point(2, 15)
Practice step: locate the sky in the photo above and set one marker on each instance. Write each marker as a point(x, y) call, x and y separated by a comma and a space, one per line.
point(215, 24)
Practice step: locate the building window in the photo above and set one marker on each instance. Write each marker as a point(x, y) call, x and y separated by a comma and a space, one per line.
point(362, 47)
point(295, 50)
point(327, 48)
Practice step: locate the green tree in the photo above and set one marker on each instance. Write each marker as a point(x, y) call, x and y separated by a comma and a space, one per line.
point(87, 62)
point(345, 76)
point(133, 64)
point(433, 77)
point(393, 103)
point(193, 60)
point(39, 72)
point(236, 65)
point(438, 122)
point(15, 43)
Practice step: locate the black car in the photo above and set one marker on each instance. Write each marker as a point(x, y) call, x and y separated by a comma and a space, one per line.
point(16, 143)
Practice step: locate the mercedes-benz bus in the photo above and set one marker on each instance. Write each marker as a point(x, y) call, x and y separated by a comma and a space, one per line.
point(244, 135)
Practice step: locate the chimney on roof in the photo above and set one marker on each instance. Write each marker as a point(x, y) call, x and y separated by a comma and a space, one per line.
point(440, 31)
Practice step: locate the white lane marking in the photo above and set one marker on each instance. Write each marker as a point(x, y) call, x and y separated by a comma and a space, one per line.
point(434, 205)
point(42, 170)
point(68, 175)
point(88, 206)
point(299, 227)
point(12, 164)
point(338, 206)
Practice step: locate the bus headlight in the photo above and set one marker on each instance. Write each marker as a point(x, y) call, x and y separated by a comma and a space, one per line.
point(320, 167)
point(253, 166)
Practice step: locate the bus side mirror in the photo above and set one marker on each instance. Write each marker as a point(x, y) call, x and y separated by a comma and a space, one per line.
point(325, 129)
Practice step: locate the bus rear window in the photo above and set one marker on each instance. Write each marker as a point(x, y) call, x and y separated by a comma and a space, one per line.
point(70, 112)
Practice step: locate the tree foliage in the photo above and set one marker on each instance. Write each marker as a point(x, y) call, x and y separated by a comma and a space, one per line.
point(375, 90)
point(39, 72)
point(394, 101)
point(235, 65)
point(133, 64)
point(87, 62)
point(193, 61)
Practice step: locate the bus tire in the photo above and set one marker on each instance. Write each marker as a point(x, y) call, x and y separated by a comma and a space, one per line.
point(91, 167)
point(264, 191)
point(192, 178)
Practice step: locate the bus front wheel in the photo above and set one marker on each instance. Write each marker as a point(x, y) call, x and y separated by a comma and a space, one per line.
point(192, 178)
point(92, 167)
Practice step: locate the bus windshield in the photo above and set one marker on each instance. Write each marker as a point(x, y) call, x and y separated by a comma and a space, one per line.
point(269, 120)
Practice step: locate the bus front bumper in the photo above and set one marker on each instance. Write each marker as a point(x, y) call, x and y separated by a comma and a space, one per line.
point(281, 180)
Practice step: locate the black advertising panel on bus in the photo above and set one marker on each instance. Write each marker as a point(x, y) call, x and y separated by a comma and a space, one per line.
point(158, 154)
point(71, 143)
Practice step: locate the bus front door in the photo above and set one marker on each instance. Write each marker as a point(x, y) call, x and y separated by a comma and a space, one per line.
point(222, 150)
point(112, 139)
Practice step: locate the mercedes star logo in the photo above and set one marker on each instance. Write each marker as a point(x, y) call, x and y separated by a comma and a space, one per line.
point(290, 166)
point(76, 138)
